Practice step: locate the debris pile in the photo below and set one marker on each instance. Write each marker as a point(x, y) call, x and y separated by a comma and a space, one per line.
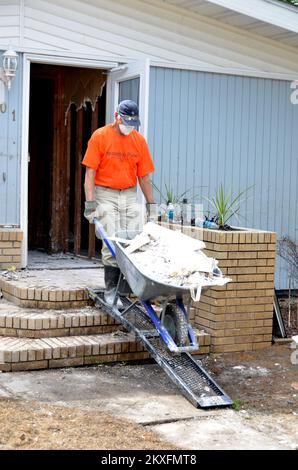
point(172, 258)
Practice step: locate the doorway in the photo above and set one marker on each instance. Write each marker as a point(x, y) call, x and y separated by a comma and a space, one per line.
point(66, 105)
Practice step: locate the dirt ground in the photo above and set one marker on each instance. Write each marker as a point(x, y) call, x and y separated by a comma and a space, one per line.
point(31, 425)
point(289, 315)
point(262, 381)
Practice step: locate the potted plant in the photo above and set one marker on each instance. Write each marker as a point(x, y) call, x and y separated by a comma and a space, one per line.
point(170, 208)
point(225, 205)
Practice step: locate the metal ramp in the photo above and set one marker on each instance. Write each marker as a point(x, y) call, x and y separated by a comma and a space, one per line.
point(192, 379)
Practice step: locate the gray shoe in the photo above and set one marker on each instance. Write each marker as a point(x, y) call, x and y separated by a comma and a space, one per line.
point(111, 275)
point(109, 298)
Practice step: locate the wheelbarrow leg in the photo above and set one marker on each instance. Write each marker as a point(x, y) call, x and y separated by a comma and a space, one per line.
point(186, 311)
point(116, 299)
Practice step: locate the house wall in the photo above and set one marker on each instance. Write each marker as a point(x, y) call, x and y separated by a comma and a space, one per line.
point(10, 12)
point(235, 109)
point(136, 29)
point(10, 152)
point(207, 128)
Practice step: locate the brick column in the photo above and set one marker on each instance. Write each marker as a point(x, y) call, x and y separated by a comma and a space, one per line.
point(238, 316)
point(10, 247)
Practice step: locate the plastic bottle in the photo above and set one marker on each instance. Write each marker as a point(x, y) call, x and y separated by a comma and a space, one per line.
point(197, 215)
point(177, 214)
point(186, 212)
point(210, 224)
point(162, 213)
point(192, 215)
point(199, 222)
point(159, 214)
point(170, 212)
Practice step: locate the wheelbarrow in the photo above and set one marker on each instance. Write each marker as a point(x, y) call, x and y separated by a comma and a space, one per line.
point(172, 318)
point(165, 332)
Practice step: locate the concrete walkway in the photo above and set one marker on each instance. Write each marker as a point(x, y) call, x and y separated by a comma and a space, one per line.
point(143, 394)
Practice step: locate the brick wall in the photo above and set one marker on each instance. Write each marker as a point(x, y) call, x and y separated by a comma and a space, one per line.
point(239, 315)
point(10, 247)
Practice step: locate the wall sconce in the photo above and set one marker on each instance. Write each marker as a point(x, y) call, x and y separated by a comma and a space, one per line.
point(9, 67)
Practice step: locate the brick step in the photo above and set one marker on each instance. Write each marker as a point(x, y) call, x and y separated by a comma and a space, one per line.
point(34, 323)
point(68, 351)
point(50, 289)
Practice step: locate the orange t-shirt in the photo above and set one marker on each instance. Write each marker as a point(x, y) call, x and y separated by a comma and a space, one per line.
point(118, 159)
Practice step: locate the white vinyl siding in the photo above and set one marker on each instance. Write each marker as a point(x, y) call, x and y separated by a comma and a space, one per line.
point(135, 29)
point(207, 128)
point(9, 22)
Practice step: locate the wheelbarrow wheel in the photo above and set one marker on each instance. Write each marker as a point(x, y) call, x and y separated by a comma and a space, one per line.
point(176, 324)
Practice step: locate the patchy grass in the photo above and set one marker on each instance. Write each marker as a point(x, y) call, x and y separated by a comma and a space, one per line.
point(238, 404)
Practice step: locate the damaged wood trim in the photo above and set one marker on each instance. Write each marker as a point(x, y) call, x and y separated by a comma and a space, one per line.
point(59, 208)
point(78, 184)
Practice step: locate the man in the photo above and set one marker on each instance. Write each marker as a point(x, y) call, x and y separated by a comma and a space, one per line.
point(116, 158)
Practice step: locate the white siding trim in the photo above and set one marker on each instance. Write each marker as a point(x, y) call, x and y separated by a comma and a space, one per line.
point(71, 61)
point(24, 160)
point(147, 99)
point(66, 55)
point(135, 69)
point(274, 13)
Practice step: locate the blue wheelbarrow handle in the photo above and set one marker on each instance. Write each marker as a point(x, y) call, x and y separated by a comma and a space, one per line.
point(104, 236)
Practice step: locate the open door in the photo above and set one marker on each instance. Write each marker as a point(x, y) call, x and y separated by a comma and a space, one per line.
point(61, 121)
point(130, 82)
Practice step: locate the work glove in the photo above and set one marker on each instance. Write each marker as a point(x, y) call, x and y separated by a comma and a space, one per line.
point(151, 211)
point(90, 211)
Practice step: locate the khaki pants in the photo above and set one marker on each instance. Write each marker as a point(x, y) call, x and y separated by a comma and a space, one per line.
point(117, 209)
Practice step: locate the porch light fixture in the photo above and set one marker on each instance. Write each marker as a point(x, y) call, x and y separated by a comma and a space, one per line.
point(9, 67)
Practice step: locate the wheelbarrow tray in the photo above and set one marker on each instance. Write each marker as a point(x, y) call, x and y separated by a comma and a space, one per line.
point(142, 285)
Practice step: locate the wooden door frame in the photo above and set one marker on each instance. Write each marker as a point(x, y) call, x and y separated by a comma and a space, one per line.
point(45, 59)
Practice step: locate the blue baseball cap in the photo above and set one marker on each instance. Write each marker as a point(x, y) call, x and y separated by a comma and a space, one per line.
point(129, 112)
